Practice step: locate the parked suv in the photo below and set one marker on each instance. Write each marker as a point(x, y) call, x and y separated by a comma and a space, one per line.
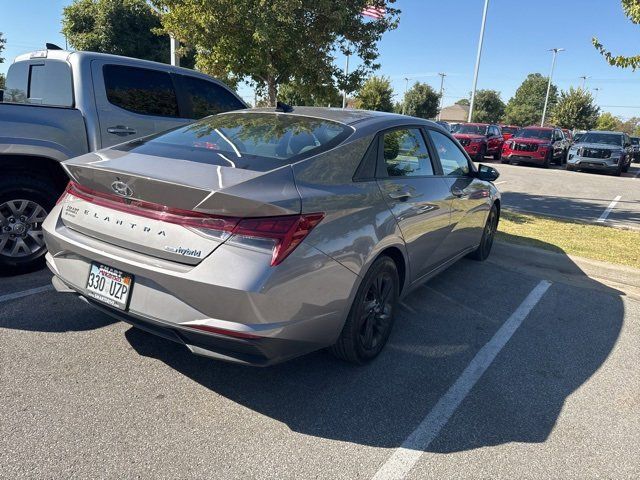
point(604, 151)
point(635, 145)
point(60, 104)
point(480, 140)
point(508, 131)
point(539, 145)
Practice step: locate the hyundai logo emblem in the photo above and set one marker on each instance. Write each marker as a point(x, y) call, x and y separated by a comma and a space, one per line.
point(122, 188)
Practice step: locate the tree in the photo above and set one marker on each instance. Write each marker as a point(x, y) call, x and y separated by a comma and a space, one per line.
point(120, 27)
point(464, 102)
point(632, 11)
point(488, 107)
point(376, 94)
point(525, 107)
point(607, 121)
point(271, 43)
point(421, 101)
point(301, 93)
point(575, 109)
point(630, 126)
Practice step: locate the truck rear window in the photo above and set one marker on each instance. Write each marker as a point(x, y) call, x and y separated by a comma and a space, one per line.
point(256, 141)
point(40, 82)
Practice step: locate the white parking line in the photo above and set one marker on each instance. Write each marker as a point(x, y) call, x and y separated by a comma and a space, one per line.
point(500, 183)
point(25, 293)
point(607, 211)
point(405, 457)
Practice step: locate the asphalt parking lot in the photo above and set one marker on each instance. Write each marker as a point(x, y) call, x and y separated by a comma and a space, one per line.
point(494, 369)
point(590, 197)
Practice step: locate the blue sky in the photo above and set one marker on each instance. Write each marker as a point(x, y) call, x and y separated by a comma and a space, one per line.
point(441, 36)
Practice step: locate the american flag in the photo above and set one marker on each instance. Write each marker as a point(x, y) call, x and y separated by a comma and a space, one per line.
point(374, 12)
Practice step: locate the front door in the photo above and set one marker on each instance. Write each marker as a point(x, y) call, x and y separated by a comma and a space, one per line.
point(469, 196)
point(417, 196)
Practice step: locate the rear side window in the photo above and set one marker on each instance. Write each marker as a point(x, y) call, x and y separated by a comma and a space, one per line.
point(207, 98)
point(42, 83)
point(454, 162)
point(140, 90)
point(406, 154)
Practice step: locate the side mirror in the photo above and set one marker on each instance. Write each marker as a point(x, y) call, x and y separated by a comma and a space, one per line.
point(487, 173)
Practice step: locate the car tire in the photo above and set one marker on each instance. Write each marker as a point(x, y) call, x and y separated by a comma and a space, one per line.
point(481, 154)
point(548, 159)
point(22, 249)
point(370, 318)
point(625, 169)
point(498, 155)
point(488, 235)
point(618, 171)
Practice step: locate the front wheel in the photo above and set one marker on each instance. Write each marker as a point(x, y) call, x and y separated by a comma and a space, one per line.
point(24, 204)
point(371, 317)
point(498, 155)
point(488, 235)
point(481, 154)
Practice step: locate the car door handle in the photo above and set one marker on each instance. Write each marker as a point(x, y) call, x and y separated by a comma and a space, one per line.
point(458, 192)
point(121, 130)
point(402, 196)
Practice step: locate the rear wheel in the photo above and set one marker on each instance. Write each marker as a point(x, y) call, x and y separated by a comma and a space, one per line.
point(24, 204)
point(370, 319)
point(488, 235)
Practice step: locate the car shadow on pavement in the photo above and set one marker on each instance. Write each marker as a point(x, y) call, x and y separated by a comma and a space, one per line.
point(585, 209)
point(439, 329)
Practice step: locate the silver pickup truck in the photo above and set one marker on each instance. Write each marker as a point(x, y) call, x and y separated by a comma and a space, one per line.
point(59, 104)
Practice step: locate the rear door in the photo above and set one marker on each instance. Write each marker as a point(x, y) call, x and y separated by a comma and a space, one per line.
point(467, 195)
point(133, 102)
point(416, 194)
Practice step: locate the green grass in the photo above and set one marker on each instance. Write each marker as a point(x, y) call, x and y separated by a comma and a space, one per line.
point(597, 242)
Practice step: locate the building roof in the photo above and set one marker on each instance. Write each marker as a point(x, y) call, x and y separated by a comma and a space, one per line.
point(455, 113)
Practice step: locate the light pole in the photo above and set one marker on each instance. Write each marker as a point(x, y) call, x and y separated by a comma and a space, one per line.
point(404, 100)
point(553, 66)
point(442, 75)
point(584, 81)
point(475, 73)
point(344, 92)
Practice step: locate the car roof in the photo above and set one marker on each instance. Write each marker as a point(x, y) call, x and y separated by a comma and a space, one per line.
point(348, 116)
point(605, 131)
point(534, 127)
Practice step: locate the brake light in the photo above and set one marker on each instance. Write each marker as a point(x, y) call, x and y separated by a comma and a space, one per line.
point(279, 235)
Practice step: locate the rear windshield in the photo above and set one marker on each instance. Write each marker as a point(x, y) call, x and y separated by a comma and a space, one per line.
point(257, 141)
point(534, 133)
point(606, 138)
point(509, 129)
point(472, 129)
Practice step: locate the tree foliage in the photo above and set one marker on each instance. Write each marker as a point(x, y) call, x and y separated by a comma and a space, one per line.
point(271, 43)
point(575, 110)
point(120, 27)
point(3, 41)
point(301, 93)
point(488, 107)
point(376, 94)
point(464, 102)
point(632, 11)
point(608, 121)
point(525, 107)
point(421, 101)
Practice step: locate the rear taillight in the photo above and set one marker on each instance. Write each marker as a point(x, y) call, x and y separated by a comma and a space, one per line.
point(279, 235)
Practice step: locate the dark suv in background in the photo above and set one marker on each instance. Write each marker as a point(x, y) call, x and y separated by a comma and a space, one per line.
point(602, 151)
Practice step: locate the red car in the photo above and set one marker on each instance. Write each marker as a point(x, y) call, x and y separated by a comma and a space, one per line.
point(540, 145)
point(508, 131)
point(480, 140)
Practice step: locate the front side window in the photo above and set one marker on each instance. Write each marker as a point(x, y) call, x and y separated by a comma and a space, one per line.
point(406, 154)
point(454, 162)
point(140, 90)
point(42, 83)
point(208, 98)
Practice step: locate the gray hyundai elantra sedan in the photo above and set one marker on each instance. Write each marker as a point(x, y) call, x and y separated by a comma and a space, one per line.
point(259, 235)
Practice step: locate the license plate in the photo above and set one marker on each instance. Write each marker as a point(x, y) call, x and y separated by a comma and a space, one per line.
point(110, 286)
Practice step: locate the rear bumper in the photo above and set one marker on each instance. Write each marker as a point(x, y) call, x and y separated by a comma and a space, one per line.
point(289, 310)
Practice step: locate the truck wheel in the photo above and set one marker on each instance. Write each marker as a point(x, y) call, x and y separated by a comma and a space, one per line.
point(24, 204)
point(481, 154)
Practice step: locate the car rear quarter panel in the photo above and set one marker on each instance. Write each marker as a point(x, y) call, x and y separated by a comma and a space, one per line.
point(358, 224)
